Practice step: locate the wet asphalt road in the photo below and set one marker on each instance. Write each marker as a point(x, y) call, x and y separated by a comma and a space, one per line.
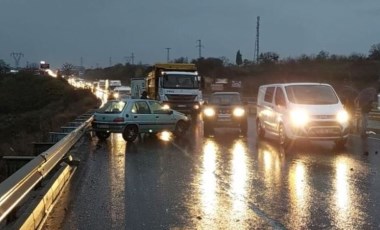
point(222, 182)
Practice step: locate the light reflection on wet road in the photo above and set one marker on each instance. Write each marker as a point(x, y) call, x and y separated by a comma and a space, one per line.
point(224, 182)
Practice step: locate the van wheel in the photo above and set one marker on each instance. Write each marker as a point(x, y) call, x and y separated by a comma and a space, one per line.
point(341, 143)
point(102, 135)
point(130, 133)
point(260, 129)
point(284, 140)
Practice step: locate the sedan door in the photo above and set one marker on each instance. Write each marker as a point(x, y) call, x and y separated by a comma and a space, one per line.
point(164, 117)
point(142, 115)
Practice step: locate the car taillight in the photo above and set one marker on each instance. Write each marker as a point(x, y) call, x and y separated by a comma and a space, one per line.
point(118, 119)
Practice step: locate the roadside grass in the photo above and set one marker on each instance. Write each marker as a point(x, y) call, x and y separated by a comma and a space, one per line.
point(32, 106)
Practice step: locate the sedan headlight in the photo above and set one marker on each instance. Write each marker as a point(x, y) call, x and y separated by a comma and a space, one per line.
point(165, 106)
point(209, 112)
point(238, 112)
point(299, 117)
point(342, 116)
point(116, 95)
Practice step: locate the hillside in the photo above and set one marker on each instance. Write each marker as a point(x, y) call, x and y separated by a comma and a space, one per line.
point(31, 106)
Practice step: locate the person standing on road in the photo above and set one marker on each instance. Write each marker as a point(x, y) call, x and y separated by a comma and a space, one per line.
point(144, 95)
point(364, 102)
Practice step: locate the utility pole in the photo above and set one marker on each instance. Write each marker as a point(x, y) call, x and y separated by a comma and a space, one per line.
point(17, 57)
point(167, 54)
point(133, 58)
point(257, 46)
point(199, 47)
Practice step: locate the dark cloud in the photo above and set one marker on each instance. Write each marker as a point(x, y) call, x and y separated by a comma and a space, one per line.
point(64, 31)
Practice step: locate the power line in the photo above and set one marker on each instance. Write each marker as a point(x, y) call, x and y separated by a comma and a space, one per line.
point(17, 57)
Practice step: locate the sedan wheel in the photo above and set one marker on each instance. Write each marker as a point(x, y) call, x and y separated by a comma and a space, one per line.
point(102, 135)
point(180, 128)
point(130, 133)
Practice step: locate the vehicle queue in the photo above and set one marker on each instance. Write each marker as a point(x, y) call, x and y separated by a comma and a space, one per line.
point(287, 112)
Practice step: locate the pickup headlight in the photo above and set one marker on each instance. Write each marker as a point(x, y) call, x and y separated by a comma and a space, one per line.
point(238, 112)
point(209, 112)
point(299, 117)
point(342, 116)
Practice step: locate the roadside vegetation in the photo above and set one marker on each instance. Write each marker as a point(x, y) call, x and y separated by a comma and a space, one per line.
point(31, 106)
point(356, 70)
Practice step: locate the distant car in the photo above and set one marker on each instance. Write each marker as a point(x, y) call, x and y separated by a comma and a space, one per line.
point(224, 109)
point(131, 117)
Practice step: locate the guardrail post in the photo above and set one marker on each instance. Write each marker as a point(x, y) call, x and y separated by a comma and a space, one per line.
point(56, 136)
point(14, 163)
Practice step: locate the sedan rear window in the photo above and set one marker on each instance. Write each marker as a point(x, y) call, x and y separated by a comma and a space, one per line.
point(112, 107)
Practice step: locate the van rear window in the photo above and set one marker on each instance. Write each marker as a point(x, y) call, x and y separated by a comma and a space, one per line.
point(311, 94)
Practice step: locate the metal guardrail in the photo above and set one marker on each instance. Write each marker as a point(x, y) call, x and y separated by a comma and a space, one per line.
point(16, 187)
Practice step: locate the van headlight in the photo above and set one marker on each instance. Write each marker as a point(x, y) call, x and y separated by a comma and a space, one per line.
point(238, 112)
point(342, 116)
point(209, 112)
point(299, 117)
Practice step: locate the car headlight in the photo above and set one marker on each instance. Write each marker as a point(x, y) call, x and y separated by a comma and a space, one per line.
point(116, 95)
point(299, 117)
point(342, 116)
point(165, 106)
point(238, 112)
point(209, 112)
point(196, 106)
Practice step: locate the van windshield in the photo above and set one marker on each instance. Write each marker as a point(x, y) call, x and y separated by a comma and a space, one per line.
point(311, 94)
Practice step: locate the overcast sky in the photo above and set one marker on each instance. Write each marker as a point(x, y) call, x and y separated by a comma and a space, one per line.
point(60, 31)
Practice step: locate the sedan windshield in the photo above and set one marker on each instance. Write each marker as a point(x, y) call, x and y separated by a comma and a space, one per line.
point(311, 94)
point(180, 81)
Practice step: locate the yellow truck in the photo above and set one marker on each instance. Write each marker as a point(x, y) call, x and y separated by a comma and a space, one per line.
point(176, 84)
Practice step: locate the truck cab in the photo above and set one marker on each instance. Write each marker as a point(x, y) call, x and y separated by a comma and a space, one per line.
point(177, 85)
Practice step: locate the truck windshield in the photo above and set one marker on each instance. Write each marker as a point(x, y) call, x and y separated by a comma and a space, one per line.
point(180, 81)
point(311, 94)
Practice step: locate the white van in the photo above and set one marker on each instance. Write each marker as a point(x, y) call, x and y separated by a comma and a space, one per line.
point(293, 111)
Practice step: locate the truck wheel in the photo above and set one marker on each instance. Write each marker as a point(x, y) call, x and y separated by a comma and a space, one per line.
point(130, 133)
point(180, 128)
point(102, 135)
